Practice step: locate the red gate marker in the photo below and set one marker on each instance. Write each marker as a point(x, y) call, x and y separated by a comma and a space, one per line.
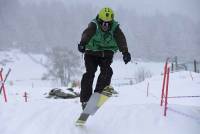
point(164, 79)
point(2, 85)
point(166, 94)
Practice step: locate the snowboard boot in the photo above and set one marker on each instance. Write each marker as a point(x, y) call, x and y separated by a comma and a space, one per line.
point(108, 91)
point(83, 105)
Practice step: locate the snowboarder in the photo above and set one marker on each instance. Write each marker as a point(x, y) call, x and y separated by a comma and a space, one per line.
point(99, 41)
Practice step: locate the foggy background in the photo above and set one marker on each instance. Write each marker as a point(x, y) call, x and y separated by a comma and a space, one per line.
point(154, 29)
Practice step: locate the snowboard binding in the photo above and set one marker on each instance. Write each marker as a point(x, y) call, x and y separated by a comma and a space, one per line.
point(108, 91)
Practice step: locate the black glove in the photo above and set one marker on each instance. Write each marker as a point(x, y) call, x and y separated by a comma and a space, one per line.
point(126, 57)
point(81, 48)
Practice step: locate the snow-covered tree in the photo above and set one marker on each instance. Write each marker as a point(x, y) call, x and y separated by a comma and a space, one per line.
point(63, 64)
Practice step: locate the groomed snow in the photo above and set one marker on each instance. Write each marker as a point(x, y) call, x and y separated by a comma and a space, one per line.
point(132, 112)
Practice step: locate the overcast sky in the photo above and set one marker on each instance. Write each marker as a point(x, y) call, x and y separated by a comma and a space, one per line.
point(190, 8)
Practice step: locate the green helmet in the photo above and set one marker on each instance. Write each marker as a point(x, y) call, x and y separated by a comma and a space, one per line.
point(106, 14)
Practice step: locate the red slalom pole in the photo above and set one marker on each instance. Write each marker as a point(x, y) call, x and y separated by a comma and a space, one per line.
point(164, 79)
point(166, 94)
point(3, 87)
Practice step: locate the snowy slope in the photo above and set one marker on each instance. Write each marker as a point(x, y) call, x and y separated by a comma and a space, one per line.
point(25, 71)
point(132, 112)
point(23, 66)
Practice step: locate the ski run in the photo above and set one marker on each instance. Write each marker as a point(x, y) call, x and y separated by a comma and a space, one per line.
point(130, 112)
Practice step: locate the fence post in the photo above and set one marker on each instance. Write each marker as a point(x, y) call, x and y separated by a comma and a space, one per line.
point(172, 68)
point(195, 66)
point(147, 89)
point(176, 62)
point(25, 96)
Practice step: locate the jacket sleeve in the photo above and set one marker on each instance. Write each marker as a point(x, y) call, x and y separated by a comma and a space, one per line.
point(121, 40)
point(88, 33)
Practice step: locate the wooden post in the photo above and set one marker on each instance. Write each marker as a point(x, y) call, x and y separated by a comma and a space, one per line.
point(25, 96)
point(195, 66)
point(147, 89)
point(172, 68)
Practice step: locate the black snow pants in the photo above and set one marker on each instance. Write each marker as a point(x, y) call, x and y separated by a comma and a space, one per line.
point(103, 59)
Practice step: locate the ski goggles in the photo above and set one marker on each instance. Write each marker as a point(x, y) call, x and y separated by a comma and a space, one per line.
point(105, 25)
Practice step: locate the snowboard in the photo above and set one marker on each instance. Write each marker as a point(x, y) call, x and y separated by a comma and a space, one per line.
point(94, 103)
